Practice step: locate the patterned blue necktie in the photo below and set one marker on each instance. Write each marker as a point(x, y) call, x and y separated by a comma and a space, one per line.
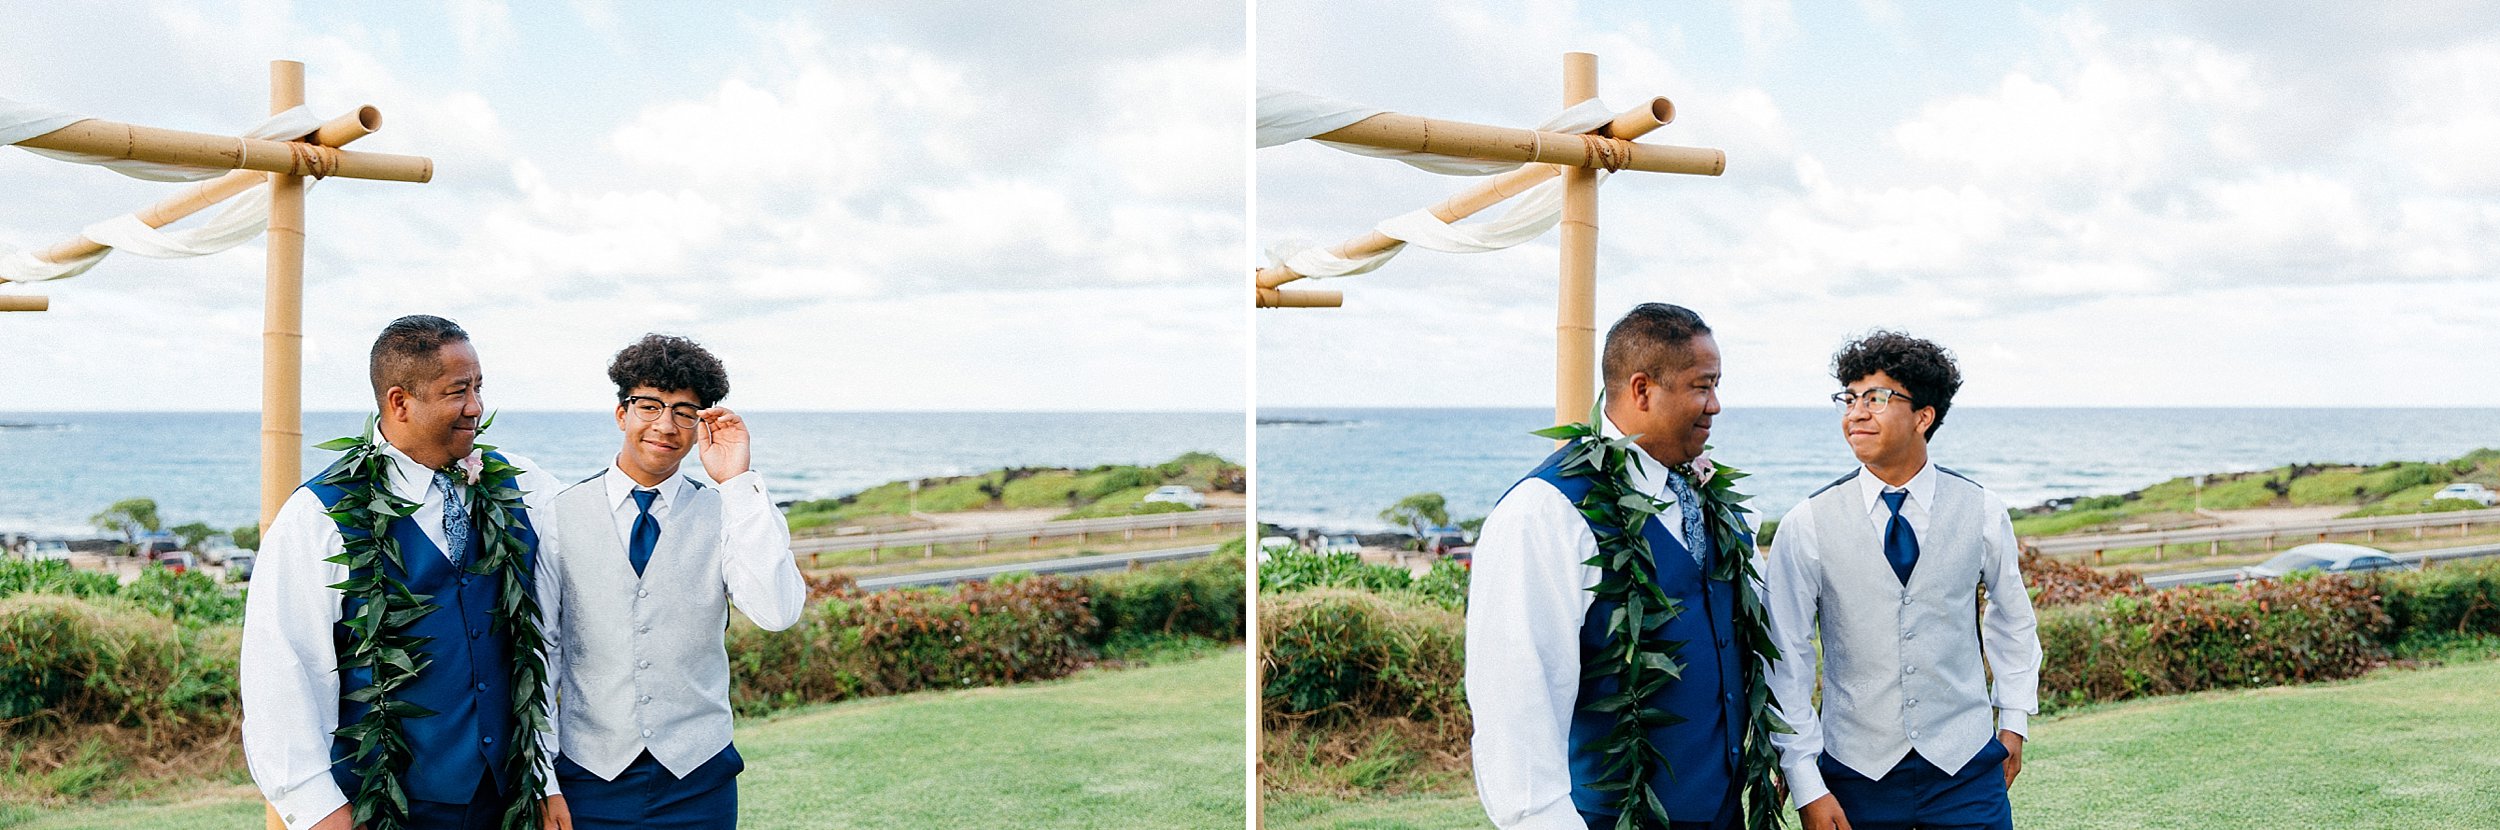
point(1696, 539)
point(646, 531)
point(1900, 544)
point(455, 519)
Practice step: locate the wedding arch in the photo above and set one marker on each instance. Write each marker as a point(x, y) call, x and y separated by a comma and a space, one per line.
point(282, 152)
point(1549, 173)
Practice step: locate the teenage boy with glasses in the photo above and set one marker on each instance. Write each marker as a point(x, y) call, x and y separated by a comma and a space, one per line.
point(1886, 564)
point(640, 567)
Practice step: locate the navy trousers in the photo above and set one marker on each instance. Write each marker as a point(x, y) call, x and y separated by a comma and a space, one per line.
point(484, 811)
point(646, 795)
point(1918, 794)
point(1725, 820)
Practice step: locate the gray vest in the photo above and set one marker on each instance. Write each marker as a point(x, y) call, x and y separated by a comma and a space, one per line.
point(1901, 664)
point(644, 667)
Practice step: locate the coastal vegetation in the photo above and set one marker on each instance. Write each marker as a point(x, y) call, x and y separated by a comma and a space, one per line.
point(110, 692)
point(2395, 487)
point(1107, 490)
point(1361, 671)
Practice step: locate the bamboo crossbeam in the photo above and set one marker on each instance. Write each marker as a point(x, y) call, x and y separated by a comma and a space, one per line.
point(24, 302)
point(335, 132)
point(1310, 298)
point(1575, 310)
point(96, 136)
point(1396, 131)
point(1632, 123)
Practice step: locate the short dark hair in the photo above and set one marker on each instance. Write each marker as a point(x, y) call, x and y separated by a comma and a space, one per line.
point(667, 362)
point(1653, 338)
point(1924, 369)
point(409, 352)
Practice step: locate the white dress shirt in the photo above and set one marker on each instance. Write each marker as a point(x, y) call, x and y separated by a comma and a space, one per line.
point(1525, 603)
point(290, 679)
point(2009, 637)
point(758, 572)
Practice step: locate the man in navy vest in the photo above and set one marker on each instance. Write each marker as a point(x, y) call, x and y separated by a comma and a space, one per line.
point(641, 565)
point(1531, 618)
point(426, 380)
point(1886, 564)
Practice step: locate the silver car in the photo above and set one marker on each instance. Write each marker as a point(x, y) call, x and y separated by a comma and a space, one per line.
point(2331, 557)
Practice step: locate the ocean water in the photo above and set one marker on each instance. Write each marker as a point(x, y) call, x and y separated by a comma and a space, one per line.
point(1338, 468)
point(58, 468)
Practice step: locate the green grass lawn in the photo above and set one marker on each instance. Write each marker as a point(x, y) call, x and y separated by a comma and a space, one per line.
point(2417, 750)
point(1160, 746)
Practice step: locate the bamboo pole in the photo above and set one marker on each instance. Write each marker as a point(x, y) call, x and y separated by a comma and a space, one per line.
point(1398, 131)
point(337, 131)
point(130, 141)
point(1632, 123)
point(1575, 322)
point(25, 302)
point(282, 333)
point(1313, 298)
point(282, 319)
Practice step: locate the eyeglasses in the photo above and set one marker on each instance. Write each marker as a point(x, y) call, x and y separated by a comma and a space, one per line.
point(1876, 399)
point(649, 409)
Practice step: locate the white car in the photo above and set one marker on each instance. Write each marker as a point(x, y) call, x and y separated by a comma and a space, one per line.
point(1272, 545)
point(1175, 494)
point(47, 550)
point(2468, 491)
point(1331, 545)
point(2331, 557)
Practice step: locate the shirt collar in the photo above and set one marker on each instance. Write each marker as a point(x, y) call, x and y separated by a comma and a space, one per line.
point(1649, 476)
point(1922, 488)
point(409, 479)
point(621, 487)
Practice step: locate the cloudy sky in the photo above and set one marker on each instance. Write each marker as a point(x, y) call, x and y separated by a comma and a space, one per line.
point(2123, 203)
point(860, 206)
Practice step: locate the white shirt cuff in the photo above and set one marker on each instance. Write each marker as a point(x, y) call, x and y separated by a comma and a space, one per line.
point(2016, 721)
point(303, 804)
point(1805, 782)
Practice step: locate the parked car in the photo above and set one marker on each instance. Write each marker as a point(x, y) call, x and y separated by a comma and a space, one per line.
point(1440, 541)
point(1340, 544)
point(239, 565)
point(47, 550)
point(218, 554)
point(1272, 545)
point(149, 549)
point(2468, 491)
point(1176, 494)
point(2331, 557)
point(176, 560)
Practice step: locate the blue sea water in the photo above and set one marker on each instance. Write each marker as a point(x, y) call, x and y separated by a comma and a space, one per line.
point(58, 468)
point(1338, 468)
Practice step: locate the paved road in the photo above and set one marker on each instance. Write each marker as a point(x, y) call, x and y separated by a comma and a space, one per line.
point(2229, 574)
point(1070, 565)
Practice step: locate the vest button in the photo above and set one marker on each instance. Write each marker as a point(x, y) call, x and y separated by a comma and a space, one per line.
point(473, 634)
point(647, 592)
point(1910, 670)
point(1905, 600)
point(646, 733)
point(481, 686)
point(489, 741)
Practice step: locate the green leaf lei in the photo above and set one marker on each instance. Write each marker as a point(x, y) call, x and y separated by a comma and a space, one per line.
point(1642, 662)
point(378, 633)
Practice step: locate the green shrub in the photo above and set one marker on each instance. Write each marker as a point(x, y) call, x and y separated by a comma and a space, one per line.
point(54, 577)
point(2291, 630)
point(891, 642)
point(191, 598)
point(1336, 657)
point(2448, 599)
point(67, 662)
point(1202, 598)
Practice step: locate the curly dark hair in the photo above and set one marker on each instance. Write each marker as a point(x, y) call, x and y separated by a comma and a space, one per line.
point(668, 362)
point(1924, 369)
point(408, 353)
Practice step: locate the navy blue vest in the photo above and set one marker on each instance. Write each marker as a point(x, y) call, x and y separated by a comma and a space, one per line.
point(468, 678)
point(1702, 751)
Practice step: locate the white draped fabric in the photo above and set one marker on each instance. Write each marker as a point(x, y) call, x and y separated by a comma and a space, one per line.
point(244, 217)
point(1286, 116)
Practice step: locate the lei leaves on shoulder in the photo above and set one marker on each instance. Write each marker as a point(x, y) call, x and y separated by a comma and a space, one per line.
point(1643, 662)
point(378, 638)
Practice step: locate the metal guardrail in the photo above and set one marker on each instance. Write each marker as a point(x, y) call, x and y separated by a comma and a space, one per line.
point(1071, 565)
point(2463, 520)
point(926, 541)
point(2419, 557)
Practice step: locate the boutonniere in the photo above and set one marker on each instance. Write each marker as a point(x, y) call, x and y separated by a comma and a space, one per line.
point(473, 466)
point(1700, 470)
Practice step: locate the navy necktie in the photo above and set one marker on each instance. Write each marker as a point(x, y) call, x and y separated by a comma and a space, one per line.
point(1900, 544)
point(646, 531)
point(455, 518)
